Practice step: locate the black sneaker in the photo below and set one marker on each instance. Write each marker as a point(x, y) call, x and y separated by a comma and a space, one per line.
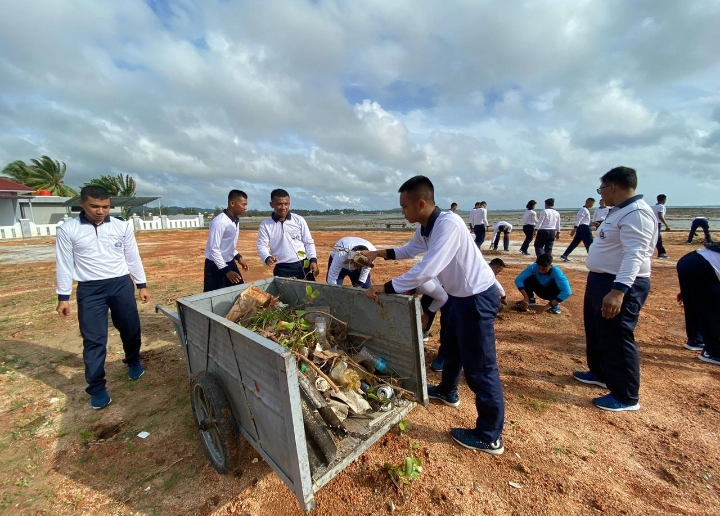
point(451, 400)
point(663, 256)
point(532, 302)
point(469, 439)
point(588, 378)
point(438, 364)
point(694, 345)
point(565, 258)
point(100, 400)
point(707, 357)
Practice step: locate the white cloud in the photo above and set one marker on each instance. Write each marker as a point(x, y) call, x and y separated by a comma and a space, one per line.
point(342, 101)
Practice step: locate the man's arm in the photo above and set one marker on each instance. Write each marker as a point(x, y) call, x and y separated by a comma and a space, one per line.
point(336, 267)
point(263, 245)
point(661, 218)
point(310, 250)
point(215, 235)
point(64, 271)
point(134, 263)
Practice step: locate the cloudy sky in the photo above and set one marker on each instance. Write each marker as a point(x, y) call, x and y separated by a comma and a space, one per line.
point(341, 101)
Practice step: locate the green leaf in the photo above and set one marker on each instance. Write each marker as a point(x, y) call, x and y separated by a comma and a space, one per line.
point(308, 290)
point(416, 446)
point(306, 264)
point(300, 313)
point(315, 294)
point(409, 466)
point(402, 425)
point(304, 325)
point(301, 254)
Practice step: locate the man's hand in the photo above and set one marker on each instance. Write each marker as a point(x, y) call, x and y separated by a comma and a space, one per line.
point(373, 292)
point(667, 228)
point(522, 305)
point(63, 308)
point(548, 307)
point(503, 300)
point(315, 269)
point(424, 318)
point(557, 236)
point(572, 232)
point(233, 277)
point(270, 261)
point(370, 255)
point(679, 298)
point(243, 264)
point(144, 295)
point(612, 303)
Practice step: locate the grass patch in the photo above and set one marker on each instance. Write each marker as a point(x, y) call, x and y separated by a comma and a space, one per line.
point(170, 482)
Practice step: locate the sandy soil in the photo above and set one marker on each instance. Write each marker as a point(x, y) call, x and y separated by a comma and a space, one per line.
point(60, 457)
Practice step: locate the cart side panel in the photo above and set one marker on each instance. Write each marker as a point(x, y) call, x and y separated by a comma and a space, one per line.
point(260, 379)
point(197, 329)
point(393, 325)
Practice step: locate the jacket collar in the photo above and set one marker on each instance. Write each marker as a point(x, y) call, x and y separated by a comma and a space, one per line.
point(235, 220)
point(629, 201)
point(426, 230)
point(277, 219)
point(85, 220)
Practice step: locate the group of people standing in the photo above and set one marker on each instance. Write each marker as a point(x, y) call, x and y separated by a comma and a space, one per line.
point(543, 229)
point(100, 253)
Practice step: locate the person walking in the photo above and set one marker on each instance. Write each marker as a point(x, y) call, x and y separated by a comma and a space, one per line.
point(468, 334)
point(581, 231)
point(101, 254)
point(699, 276)
point(284, 241)
point(699, 223)
point(501, 228)
point(659, 210)
point(547, 229)
point(617, 287)
point(479, 222)
point(221, 269)
point(340, 266)
point(529, 220)
point(546, 281)
point(599, 214)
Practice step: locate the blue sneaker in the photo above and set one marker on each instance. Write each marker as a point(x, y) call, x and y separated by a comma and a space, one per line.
point(100, 400)
point(451, 400)
point(589, 378)
point(426, 336)
point(704, 356)
point(555, 310)
point(437, 364)
point(694, 345)
point(135, 371)
point(468, 439)
point(610, 402)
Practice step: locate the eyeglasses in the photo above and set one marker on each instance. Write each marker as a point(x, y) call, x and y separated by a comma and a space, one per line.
point(599, 190)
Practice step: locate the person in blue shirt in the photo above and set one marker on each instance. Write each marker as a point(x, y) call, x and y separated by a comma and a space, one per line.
point(544, 280)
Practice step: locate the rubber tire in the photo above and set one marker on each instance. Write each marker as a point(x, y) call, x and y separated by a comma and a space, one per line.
point(220, 437)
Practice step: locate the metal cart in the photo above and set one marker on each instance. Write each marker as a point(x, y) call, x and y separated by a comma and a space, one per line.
point(243, 383)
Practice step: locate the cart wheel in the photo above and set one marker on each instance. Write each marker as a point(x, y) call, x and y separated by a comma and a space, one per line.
point(215, 421)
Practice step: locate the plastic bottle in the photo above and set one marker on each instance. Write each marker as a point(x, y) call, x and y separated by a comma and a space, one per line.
point(321, 334)
point(378, 363)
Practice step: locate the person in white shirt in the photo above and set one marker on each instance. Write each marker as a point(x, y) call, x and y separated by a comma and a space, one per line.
point(101, 254)
point(501, 228)
point(659, 211)
point(479, 222)
point(529, 219)
point(284, 241)
point(699, 276)
point(340, 266)
point(468, 335)
point(699, 223)
point(547, 229)
point(453, 207)
point(581, 231)
point(599, 214)
point(221, 269)
point(617, 288)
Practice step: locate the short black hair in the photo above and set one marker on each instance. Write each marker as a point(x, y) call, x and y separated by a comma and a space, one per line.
point(483, 202)
point(544, 260)
point(662, 197)
point(360, 248)
point(96, 192)
point(453, 204)
point(498, 262)
point(550, 202)
point(590, 199)
point(236, 194)
point(477, 204)
point(420, 187)
point(531, 204)
point(278, 192)
point(624, 177)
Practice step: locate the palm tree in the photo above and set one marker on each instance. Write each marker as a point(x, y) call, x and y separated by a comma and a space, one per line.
point(126, 185)
point(18, 171)
point(108, 183)
point(48, 174)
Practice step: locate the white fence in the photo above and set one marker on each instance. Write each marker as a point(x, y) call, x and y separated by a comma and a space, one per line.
point(28, 229)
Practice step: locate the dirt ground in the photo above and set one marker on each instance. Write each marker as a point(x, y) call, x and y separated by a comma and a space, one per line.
point(562, 455)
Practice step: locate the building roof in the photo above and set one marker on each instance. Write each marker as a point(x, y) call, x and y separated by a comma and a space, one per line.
point(10, 186)
point(116, 202)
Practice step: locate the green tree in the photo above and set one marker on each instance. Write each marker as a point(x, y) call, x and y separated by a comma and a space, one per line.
point(42, 174)
point(18, 171)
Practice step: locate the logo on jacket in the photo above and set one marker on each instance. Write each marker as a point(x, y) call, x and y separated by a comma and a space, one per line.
point(601, 234)
point(118, 244)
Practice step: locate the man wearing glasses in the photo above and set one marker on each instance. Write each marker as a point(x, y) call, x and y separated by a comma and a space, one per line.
point(617, 287)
